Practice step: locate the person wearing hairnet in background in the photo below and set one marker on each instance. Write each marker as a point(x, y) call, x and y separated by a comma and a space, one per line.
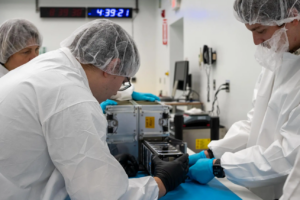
point(53, 132)
point(260, 152)
point(20, 41)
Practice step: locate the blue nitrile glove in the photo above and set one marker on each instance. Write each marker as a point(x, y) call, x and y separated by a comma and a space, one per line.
point(195, 157)
point(137, 96)
point(108, 102)
point(202, 171)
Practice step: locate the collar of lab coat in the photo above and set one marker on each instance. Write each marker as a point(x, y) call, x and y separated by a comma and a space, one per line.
point(76, 65)
point(3, 70)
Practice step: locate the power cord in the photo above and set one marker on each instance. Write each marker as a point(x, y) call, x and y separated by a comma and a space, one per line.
point(191, 92)
point(221, 87)
point(207, 71)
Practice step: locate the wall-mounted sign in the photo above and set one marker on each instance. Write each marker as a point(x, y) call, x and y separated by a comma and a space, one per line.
point(65, 12)
point(176, 4)
point(109, 12)
point(165, 32)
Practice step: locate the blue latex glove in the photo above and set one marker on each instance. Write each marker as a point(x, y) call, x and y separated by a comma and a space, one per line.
point(202, 171)
point(137, 96)
point(108, 102)
point(195, 157)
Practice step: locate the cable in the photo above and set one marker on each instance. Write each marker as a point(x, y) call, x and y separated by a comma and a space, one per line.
point(221, 87)
point(133, 25)
point(193, 91)
point(207, 71)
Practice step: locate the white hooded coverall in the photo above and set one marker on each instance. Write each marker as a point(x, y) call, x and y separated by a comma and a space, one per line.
point(3, 71)
point(291, 189)
point(53, 136)
point(260, 152)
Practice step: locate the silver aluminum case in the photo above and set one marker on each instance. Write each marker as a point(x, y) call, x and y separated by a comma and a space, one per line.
point(130, 126)
point(156, 111)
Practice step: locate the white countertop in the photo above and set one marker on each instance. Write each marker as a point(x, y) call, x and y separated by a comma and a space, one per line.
point(240, 191)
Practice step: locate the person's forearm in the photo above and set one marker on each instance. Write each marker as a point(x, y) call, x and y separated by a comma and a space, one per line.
point(162, 189)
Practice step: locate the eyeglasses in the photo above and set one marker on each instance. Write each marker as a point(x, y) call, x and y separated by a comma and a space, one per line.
point(125, 85)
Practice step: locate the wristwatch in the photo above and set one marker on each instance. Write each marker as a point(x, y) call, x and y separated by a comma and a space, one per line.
point(218, 170)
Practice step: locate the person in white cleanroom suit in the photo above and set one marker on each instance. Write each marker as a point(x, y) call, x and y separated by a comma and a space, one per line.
point(53, 131)
point(20, 41)
point(260, 152)
point(291, 189)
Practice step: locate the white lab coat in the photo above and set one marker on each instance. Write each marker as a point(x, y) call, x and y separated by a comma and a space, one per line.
point(53, 136)
point(291, 189)
point(3, 71)
point(260, 152)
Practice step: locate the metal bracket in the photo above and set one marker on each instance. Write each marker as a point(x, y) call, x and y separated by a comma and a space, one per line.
point(136, 9)
point(37, 8)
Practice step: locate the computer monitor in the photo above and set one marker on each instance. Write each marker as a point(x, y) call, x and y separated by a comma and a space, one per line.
point(181, 74)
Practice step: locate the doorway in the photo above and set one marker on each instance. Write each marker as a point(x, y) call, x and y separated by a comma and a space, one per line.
point(176, 50)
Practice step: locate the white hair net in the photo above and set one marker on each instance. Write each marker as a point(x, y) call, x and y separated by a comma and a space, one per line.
point(267, 12)
point(105, 45)
point(15, 35)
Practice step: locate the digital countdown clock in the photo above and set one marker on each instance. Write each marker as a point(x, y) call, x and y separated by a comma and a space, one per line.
point(109, 12)
point(64, 12)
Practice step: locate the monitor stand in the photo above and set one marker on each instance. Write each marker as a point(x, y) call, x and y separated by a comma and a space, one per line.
point(174, 89)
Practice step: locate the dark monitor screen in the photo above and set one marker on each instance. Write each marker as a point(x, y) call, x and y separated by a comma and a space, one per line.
point(181, 74)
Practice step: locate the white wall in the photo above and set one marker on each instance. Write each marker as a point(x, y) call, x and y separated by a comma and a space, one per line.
point(212, 22)
point(55, 30)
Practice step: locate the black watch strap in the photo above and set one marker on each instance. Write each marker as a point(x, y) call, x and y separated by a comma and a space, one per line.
point(218, 169)
point(210, 153)
point(218, 162)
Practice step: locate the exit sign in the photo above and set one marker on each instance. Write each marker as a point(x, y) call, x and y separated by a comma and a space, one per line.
point(176, 4)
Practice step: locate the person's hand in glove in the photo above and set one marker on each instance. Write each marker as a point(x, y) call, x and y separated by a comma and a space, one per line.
point(171, 173)
point(137, 96)
point(128, 163)
point(108, 102)
point(202, 171)
point(195, 157)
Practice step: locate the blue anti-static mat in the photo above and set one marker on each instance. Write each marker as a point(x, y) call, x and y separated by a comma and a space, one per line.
point(191, 190)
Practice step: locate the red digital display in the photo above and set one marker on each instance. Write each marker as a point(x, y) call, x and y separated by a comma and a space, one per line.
point(64, 12)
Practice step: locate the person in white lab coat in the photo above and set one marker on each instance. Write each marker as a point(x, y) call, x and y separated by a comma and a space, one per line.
point(260, 152)
point(53, 131)
point(20, 42)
